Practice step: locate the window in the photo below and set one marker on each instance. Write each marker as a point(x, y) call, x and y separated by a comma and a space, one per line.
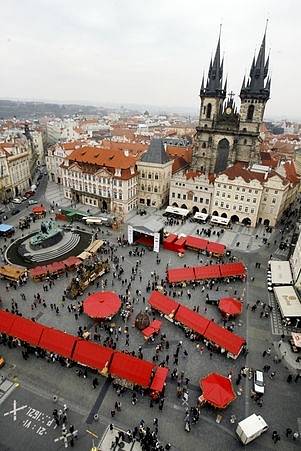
point(217, 193)
point(229, 195)
point(216, 203)
point(204, 145)
point(219, 185)
point(236, 196)
point(149, 175)
point(227, 206)
point(273, 200)
point(246, 209)
point(141, 201)
point(256, 191)
point(179, 196)
point(254, 200)
point(156, 176)
point(149, 188)
point(248, 199)
point(208, 111)
point(237, 188)
point(225, 186)
point(195, 199)
point(252, 210)
point(201, 200)
point(264, 199)
point(184, 196)
point(276, 192)
point(230, 187)
point(234, 207)
point(240, 208)
point(222, 204)
point(242, 197)
point(207, 201)
point(243, 190)
point(173, 194)
point(250, 113)
point(155, 189)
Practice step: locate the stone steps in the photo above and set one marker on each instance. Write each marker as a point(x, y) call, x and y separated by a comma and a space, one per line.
point(58, 251)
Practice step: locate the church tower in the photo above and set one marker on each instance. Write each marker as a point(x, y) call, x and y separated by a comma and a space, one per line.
point(212, 95)
point(254, 94)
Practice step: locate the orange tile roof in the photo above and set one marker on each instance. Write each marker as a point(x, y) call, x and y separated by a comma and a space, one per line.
point(101, 156)
point(238, 170)
point(177, 151)
point(291, 173)
point(178, 164)
point(134, 148)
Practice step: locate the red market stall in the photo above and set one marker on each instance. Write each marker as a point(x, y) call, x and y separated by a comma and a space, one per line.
point(26, 330)
point(177, 275)
point(179, 245)
point(152, 329)
point(217, 390)
point(196, 243)
point(102, 305)
point(193, 320)
point(127, 367)
point(92, 355)
point(159, 381)
point(236, 269)
point(38, 272)
point(168, 242)
point(54, 340)
point(39, 211)
point(230, 306)
point(72, 262)
point(163, 304)
point(6, 321)
point(207, 272)
point(225, 339)
point(216, 249)
point(58, 267)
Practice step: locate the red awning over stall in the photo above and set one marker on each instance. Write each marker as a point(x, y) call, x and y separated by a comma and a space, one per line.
point(196, 243)
point(38, 271)
point(216, 248)
point(6, 321)
point(58, 266)
point(57, 341)
point(233, 269)
point(26, 330)
point(153, 328)
point(92, 355)
point(207, 272)
point(132, 369)
point(159, 379)
point(230, 306)
point(224, 338)
point(176, 275)
point(72, 261)
point(163, 303)
point(170, 238)
point(192, 320)
point(102, 304)
point(217, 390)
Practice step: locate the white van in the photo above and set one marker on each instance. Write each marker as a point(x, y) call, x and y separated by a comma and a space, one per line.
point(251, 428)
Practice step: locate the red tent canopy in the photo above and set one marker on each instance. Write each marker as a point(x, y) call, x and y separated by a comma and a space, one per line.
point(154, 327)
point(92, 355)
point(216, 248)
point(159, 379)
point(54, 340)
point(217, 390)
point(26, 330)
point(207, 272)
point(170, 238)
point(132, 369)
point(58, 266)
point(196, 243)
point(192, 320)
point(38, 271)
point(230, 306)
point(176, 275)
point(103, 304)
point(38, 209)
point(224, 338)
point(163, 303)
point(233, 269)
point(72, 261)
point(6, 321)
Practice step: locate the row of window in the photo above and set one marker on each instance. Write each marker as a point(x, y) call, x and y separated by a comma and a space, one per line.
point(234, 207)
point(155, 189)
point(149, 175)
point(236, 197)
point(195, 198)
point(250, 190)
point(205, 188)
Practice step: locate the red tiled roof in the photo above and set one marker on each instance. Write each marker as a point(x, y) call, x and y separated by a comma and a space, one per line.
point(178, 151)
point(291, 173)
point(178, 164)
point(100, 156)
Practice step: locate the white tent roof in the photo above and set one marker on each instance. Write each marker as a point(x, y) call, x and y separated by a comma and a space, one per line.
point(281, 272)
point(288, 301)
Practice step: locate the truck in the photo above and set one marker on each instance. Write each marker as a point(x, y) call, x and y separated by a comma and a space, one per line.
point(250, 428)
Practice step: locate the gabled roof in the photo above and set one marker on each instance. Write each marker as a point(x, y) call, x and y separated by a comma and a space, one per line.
point(156, 153)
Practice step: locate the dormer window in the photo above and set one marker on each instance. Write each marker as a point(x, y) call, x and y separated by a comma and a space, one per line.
point(118, 172)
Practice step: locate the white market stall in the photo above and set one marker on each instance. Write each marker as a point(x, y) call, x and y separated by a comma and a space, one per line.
point(288, 301)
point(281, 272)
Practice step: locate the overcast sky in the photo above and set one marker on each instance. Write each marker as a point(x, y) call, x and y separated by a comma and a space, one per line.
point(144, 51)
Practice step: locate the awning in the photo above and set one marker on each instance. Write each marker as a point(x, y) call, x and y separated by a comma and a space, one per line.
point(170, 238)
point(163, 303)
point(224, 338)
point(38, 210)
point(216, 248)
point(288, 301)
point(26, 330)
point(230, 306)
point(207, 272)
point(281, 272)
point(196, 243)
point(54, 340)
point(11, 272)
point(233, 269)
point(217, 390)
point(192, 320)
point(132, 369)
point(159, 379)
point(102, 304)
point(38, 271)
point(6, 321)
point(92, 355)
point(176, 275)
point(58, 266)
point(72, 261)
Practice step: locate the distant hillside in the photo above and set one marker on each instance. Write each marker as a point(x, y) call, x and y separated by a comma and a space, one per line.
point(34, 110)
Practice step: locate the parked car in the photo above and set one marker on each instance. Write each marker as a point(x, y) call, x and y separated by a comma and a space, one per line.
point(15, 211)
point(258, 382)
point(17, 200)
point(32, 202)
